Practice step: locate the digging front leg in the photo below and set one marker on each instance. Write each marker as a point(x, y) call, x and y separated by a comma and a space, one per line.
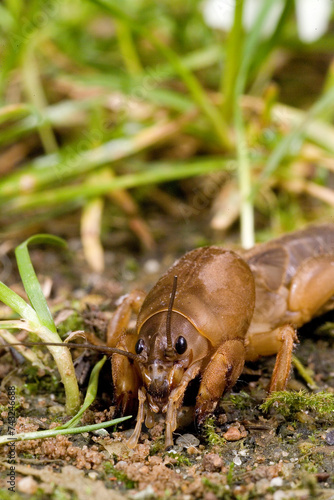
point(175, 400)
point(125, 378)
point(132, 442)
point(119, 322)
point(220, 375)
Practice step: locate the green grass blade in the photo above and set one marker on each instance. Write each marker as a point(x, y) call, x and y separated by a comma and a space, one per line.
point(9, 338)
point(193, 84)
point(160, 172)
point(16, 324)
point(30, 281)
point(90, 394)
point(244, 170)
point(15, 302)
point(294, 137)
point(60, 432)
point(232, 61)
point(14, 112)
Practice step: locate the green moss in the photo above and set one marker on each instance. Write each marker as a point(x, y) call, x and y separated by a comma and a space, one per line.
point(72, 324)
point(120, 476)
point(220, 490)
point(9, 495)
point(157, 446)
point(180, 459)
point(229, 477)
point(241, 400)
point(36, 384)
point(210, 433)
point(289, 403)
point(61, 494)
point(326, 329)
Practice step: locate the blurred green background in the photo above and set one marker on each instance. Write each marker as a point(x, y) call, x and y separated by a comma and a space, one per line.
point(107, 108)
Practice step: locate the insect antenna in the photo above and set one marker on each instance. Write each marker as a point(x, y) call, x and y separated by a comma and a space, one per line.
point(170, 353)
point(99, 348)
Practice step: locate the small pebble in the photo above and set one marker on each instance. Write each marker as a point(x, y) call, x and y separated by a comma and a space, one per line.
point(276, 482)
point(151, 266)
point(212, 462)
point(27, 485)
point(155, 460)
point(192, 450)
point(330, 438)
point(101, 433)
point(237, 460)
point(280, 495)
point(55, 409)
point(92, 475)
point(210, 496)
point(262, 486)
point(145, 494)
point(187, 440)
point(233, 434)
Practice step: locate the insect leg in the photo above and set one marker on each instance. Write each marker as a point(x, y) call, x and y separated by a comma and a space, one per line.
point(280, 376)
point(118, 324)
point(220, 375)
point(125, 377)
point(312, 287)
point(132, 442)
point(280, 341)
point(175, 400)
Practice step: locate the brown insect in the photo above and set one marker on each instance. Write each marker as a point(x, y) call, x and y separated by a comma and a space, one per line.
point(224, 310)
point(213, 310)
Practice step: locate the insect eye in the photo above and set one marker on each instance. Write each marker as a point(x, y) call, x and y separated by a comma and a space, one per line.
point(139, 346)
point(180, 345)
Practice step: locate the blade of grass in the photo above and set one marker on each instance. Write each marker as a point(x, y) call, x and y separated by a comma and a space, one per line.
point(153, 77)
point(194, 86)
point(304, 373)
point(44, 325)
point(296, 137)
point(127, 48)
point(61, 356)
point(69, 113)
point(90, 231)
point(73, 161)
point(160, 172)
point(16, 324)
point(244, 173)
point(30, 281)
point(232, 61)
point(14, 112)
point(60, 432)
point(62, 114)
point(90, 394)
point(28, 354)
point(35, 92)
point(15, 302)
point(268, 46)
